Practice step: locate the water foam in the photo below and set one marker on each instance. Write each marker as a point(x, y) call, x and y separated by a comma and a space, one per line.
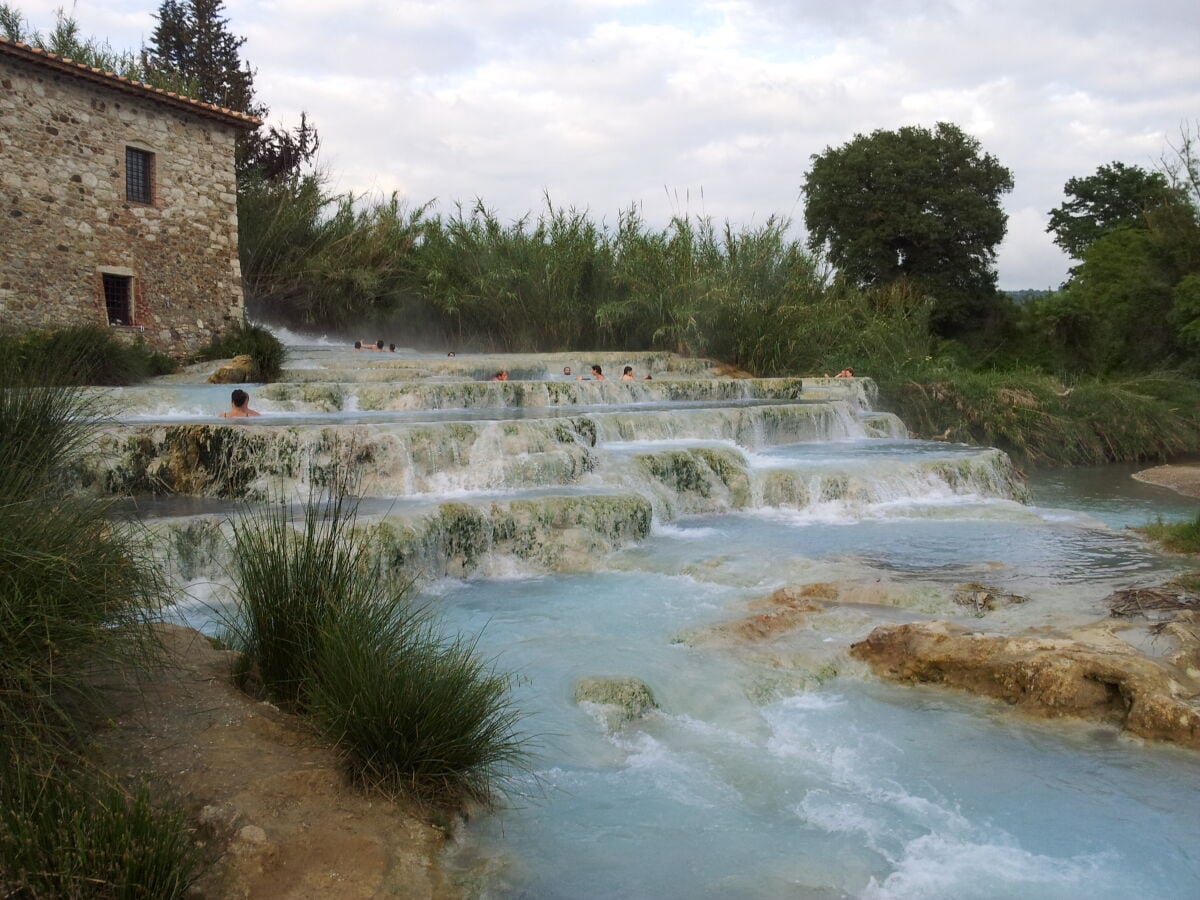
point(941, 866)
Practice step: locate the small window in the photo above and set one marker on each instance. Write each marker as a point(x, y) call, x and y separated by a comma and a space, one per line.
point(118, 299)
point(139, 175)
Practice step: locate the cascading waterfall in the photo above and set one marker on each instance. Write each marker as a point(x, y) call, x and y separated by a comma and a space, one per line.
point(640, 530)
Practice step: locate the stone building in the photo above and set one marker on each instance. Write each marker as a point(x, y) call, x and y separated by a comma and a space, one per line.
point(117, 204)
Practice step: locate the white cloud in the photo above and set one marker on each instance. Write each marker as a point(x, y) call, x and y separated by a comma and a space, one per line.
point(705, 107)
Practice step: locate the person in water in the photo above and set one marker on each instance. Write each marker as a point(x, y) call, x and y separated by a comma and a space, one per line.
point(502, 375)
point(567, 371)
point(239, 406)
point(845, 373)
point(597, 375)
point(628, 375)
point(358, 345)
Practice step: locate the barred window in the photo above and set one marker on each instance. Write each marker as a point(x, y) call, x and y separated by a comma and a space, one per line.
point(118, 299)
point(139, 175)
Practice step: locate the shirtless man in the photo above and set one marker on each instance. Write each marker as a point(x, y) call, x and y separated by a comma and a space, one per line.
point(239, 406)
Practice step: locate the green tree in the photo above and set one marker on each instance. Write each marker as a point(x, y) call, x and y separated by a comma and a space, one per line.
point(192, 43)
point(915, 204)
point(193, 40)
point(1117, 196)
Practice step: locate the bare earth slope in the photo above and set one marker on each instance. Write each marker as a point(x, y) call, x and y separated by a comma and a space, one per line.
point(265, 793)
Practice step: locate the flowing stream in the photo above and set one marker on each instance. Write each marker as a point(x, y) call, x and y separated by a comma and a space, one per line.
point(615, 530)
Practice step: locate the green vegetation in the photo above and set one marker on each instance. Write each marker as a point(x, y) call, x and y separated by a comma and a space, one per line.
point(896, 279)
point(325, 630)
point(83, 355)
point(1178, 537)
point(255, 341)
point(1039, 420)
point(75, 586)
point(916, 204)
point(70, 832)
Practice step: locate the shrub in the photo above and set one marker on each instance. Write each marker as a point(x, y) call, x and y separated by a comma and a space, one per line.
point(254, 341)
point(325, 630)
point(87, 354)
point(1039, 420)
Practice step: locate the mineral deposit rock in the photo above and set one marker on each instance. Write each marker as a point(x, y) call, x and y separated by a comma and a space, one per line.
point(1102, 679)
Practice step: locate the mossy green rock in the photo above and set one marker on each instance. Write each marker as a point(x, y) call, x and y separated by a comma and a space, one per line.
point(629, 698)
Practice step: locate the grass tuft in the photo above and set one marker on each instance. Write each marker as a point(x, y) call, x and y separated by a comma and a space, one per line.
point(325, 631)
point(435, 722)
point(71, 832)
point(1178, 537)
point(75, 591)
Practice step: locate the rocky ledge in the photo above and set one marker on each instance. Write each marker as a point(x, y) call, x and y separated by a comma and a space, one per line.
point(1092, 673)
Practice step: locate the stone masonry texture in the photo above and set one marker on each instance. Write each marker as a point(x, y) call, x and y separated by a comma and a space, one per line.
point(65, 219)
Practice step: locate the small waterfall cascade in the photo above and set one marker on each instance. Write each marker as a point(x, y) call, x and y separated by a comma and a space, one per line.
point(722, 540)
point(546, 468)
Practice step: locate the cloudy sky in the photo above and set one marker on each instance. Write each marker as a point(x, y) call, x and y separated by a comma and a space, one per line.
point(704, 108)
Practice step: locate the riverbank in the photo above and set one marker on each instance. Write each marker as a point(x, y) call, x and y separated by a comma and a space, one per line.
point(1183, 479)
point(269, 800)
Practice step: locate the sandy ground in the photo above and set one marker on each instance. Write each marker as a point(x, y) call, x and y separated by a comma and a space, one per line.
point(1183, 479)
point(268, 798)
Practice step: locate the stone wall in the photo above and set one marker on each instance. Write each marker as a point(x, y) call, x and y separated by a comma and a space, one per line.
point(65, 220)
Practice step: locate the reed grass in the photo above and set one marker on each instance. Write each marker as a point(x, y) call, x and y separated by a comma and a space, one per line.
point(325, 631)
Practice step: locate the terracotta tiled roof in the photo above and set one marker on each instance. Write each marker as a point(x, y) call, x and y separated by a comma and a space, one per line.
point(126, 85)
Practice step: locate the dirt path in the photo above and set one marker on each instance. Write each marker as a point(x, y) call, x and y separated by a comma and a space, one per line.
point(1183, 479)
point(266, 794)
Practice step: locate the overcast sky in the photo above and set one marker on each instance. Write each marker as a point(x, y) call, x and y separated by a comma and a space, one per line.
point(704, 108)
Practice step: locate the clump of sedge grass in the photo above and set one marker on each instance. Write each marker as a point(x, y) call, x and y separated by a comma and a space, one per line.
point(325, 631)
point(413, 711)
point(75, 585)
point(75, 592)
point(69, 831)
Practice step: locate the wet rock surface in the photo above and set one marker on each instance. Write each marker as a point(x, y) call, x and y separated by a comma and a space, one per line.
point(622, 699)
point(1092, 673)
point(239, 370)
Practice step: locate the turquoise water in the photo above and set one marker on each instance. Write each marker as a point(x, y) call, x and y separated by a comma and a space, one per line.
point(770, 769)
point(761, 779)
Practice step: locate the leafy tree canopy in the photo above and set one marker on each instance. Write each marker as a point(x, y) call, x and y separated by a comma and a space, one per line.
point(1116, 196)
point(915, 204)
